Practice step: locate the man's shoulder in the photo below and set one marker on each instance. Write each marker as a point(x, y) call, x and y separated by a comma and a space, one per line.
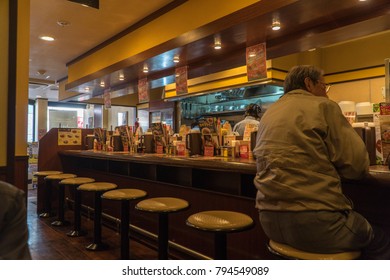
point(7, 189)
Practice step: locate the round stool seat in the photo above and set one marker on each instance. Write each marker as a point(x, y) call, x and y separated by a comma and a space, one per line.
point(227, 221)
point(45, 189)
point(76, 181)
point(162, 204)
point(124, 194)
point(46, 173)
point(289, 252)
point(97, 187)
point(61, 176)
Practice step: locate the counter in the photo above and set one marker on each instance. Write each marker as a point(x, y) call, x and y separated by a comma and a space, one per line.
point(208, 183)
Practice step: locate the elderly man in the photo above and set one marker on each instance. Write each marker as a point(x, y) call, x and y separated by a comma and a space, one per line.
point(304, 146)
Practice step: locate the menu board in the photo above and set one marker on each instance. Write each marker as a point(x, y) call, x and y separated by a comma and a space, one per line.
point(181, 80)
point(256, 62)
point(143, 90)
point(69, 136)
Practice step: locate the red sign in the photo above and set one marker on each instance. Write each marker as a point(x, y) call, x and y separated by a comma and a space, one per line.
point(256, 62)
point(107, 99)
point(143, 90)
point(181, 80)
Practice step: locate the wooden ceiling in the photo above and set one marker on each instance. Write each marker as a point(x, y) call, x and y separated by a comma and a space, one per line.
point(305, 24)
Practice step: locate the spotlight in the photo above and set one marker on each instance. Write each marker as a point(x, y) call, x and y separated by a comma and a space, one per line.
point(275, 25)
point(87, 3)
point(217, 42)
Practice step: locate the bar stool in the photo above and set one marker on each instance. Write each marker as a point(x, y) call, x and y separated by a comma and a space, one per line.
point(61, 195)
point(98, 188)
point(40, 175)
point(285, 251)
point(73, 182)
point(163, 206)
point(124, 196)
point(220, 223)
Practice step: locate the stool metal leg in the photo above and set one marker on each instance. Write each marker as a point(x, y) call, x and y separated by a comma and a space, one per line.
point(97, 227)
point(76, 215)
point(163, 236)
point(46, 200)
point(220, 246)
point(125, 230)
point(61, 214)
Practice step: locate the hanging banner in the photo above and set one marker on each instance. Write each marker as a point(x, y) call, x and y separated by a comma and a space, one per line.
point(181, 80)
point(107, 99)
point(256, 62)
point(143, 90)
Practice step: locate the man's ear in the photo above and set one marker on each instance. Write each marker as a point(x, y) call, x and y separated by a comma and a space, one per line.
point(308, 84)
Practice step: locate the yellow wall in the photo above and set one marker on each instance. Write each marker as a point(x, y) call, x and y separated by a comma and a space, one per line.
point(163, 29)
point(3, 79)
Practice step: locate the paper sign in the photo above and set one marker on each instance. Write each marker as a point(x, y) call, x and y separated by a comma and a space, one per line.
point(256, 62)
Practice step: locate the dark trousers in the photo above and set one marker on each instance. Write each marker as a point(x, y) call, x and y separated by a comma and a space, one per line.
point(326, 232)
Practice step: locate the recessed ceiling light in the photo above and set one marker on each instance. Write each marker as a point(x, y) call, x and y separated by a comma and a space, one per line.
point(275, 25)
point(46, 38)
point(63, 23)
point(217, 42)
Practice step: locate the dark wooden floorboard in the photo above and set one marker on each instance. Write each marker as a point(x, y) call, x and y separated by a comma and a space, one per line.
point(51, 243)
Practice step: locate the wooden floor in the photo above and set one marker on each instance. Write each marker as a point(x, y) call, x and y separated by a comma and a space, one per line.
point(51, 243)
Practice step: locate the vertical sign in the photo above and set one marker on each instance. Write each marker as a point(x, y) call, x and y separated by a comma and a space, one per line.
point(143, 90)
point(256, 62)
point(181, 80)
point(107, 99)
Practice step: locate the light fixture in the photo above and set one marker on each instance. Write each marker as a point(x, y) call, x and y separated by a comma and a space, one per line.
point(217, 42)
point(275, 24)
point(46, 38)
point(87, 3)
point(102, 84)
point(176, 58)
point(63, 23)
point(86, 89)
point(145, 69)
point(41, 72)
point(121, 77)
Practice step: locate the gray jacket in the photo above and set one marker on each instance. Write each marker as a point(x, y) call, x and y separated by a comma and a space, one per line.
point(13, 224)
point(304, 146)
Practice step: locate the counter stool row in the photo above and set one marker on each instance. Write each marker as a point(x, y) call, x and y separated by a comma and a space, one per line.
point(218, 222)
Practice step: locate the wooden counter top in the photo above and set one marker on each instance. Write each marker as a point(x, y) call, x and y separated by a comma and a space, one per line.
point(240, 165)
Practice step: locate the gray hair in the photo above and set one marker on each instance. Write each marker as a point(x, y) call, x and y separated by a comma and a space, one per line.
point(295, 78)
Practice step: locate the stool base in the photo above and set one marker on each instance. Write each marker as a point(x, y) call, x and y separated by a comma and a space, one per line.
point(96, 247)
point(76, 233)
point(44, 215)
point(60, 223)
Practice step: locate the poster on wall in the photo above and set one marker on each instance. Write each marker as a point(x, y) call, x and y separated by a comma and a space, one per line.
point(181, 80)
point(107, 99)
point(143, 90)
point(256, 62)
point(69, 136)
